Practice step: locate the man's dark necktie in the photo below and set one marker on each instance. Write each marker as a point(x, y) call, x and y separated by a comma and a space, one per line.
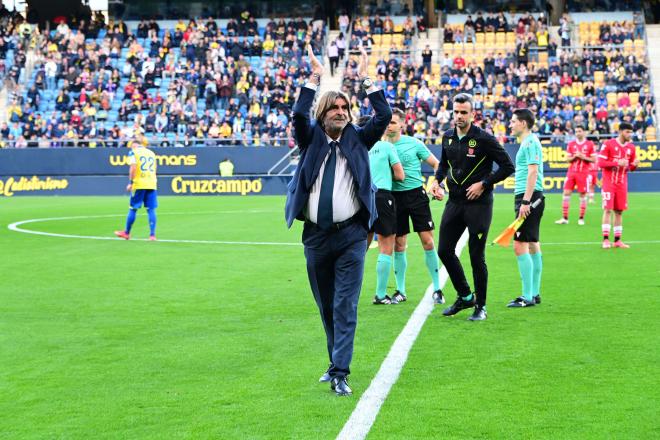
point(324, 217)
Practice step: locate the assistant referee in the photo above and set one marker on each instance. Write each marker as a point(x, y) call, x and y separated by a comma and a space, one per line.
point(468, 155)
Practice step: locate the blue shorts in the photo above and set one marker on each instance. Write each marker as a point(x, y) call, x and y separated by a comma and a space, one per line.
point(146, 196)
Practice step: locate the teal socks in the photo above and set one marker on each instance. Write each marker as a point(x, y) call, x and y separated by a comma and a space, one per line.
point(400, 265)
point(526, 267)
point(432, 264)
point(537, 260)
point(467, 298)
point(383, 266)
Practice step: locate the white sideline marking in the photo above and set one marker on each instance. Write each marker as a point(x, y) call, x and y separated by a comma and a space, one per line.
point(358, 425)
point(16, 226)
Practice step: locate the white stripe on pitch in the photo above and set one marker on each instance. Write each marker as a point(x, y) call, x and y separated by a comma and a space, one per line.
point(16, 227)
point(358, 425)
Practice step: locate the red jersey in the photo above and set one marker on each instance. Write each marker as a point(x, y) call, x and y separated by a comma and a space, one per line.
point(587, 149)
point(610, 153)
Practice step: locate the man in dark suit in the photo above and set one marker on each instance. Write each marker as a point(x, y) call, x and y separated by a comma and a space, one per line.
point(331, 191)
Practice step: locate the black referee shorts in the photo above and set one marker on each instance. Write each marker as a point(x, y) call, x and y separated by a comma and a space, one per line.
point(386, 206)
point(530, 230)
point(413, 204)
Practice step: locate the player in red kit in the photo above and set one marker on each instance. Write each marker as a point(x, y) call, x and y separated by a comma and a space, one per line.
point(581, 156)
point(616, 158)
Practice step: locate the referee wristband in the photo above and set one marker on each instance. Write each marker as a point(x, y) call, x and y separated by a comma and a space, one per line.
point(525, 202)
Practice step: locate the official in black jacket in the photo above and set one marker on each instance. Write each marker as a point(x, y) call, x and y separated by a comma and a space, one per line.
point(468, 155)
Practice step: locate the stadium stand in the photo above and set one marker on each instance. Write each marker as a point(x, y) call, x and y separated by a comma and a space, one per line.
point(512, 61)
point(211, 82)
point(14, 36)
point(191, 81)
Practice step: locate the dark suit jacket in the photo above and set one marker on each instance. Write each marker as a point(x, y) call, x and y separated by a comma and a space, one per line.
point(354, 144)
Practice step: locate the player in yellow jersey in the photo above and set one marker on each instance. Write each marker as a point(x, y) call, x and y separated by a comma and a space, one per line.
point(142, 185)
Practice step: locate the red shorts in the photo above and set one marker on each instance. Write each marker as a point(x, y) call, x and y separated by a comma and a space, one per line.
point(614, 197)
point(576, 181)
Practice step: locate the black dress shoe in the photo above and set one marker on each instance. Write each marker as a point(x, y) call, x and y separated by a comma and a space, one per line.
point(459, 304)
point(479, 314)
point(340, 386)
point(326, 376)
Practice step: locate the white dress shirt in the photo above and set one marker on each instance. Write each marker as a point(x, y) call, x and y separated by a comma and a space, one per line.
point(345, 203)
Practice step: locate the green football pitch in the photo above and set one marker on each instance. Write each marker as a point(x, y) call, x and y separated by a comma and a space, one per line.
point(215, 333)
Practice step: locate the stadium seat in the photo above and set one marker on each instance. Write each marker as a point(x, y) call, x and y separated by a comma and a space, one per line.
point(650, 133)
point(611, 99)
point(634, 98)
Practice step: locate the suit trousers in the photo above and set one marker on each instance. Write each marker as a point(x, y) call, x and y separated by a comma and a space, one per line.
point(335, 266)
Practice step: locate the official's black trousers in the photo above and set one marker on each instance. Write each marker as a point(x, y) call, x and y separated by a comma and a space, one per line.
point(476, 217)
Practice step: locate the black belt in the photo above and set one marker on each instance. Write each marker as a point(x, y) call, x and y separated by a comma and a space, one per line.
point(335, 226)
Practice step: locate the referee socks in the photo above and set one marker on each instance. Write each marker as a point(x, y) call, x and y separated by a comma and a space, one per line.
point(400, 265)
point(526, 267)
point(383, 267)
point(537, 261)
point(431, 258)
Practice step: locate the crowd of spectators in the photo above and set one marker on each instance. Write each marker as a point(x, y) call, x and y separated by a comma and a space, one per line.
point(14, 41)
point(597, 88)
point(195, 81)
point(98, 83)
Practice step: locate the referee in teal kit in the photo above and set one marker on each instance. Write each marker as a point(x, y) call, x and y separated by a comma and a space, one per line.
point(385, 166)
point(468, 155)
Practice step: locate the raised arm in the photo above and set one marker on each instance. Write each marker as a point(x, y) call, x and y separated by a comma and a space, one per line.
point(301, 120)
point(374, 129)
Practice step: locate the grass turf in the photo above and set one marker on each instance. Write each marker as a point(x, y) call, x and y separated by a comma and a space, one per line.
point(110, 339)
